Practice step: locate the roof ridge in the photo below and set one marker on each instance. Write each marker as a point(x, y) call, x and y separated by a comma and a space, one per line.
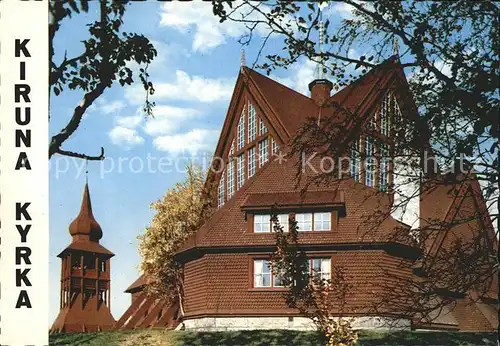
point(280, 84)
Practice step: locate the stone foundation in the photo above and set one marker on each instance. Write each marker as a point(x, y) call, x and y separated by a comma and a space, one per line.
point(295, 323)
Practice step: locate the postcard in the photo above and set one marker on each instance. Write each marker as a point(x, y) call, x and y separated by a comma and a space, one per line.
point(248, 173)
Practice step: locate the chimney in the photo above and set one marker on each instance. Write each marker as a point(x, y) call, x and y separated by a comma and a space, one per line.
point(320, 90)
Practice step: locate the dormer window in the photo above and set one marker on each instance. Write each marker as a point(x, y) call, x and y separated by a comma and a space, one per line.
point(306, 222)
point(262, 223)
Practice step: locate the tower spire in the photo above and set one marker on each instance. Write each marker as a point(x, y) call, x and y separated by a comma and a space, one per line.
point(242, 57)
point(320, 87)
point(395, 46)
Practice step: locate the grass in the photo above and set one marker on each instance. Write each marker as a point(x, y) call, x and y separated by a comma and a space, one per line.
point(159, 337)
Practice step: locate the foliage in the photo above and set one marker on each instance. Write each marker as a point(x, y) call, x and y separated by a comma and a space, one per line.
point(106, 55)
point(315, 297)
point(451, 51)
point(180, 212)
point(158, 337)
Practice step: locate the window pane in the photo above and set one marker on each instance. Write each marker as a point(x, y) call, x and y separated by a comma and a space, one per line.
point(221, 191)
point(241, 131)
point(241, 170)
point(252, 123)
point(355, 160)
point(274, 147)
point(262, 127)
point(263, 152)
point(262, 223)
point(230, 178)
point(369, 161)
point(283, 221)
point(322, 221)
point(251, 162)
point(262, 273)
point(304, 221)
point(383, 177)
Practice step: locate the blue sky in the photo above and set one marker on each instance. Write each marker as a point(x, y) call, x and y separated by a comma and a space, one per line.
point(194, 74)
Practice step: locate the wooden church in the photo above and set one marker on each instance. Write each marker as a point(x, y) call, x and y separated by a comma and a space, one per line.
point(85, 295)
point(229, 282)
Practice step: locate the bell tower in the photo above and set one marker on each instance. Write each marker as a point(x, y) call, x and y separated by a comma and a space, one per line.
point(85, 277)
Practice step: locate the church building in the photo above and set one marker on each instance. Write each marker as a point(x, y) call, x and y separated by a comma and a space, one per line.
point(229, 282)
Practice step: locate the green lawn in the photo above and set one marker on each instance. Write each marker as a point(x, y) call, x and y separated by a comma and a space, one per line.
point(159, 337)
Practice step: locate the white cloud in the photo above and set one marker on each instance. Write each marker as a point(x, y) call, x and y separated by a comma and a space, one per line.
point(302, 74)
point(130, 122)
point(186, 88)
point(208, 31)
point(124, 137)
point(167, 119)
point(194, 141)
point(112, 107)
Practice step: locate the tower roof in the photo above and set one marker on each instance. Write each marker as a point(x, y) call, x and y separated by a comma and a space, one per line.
point(85, 225)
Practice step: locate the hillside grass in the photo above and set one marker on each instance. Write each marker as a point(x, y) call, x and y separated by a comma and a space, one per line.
point(160, 337)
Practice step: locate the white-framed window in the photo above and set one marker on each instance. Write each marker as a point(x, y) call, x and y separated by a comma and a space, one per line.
point(385, 117)
point(252, 161)
point(262, 127)
point(304, 221)
point(221, 191)
point(241, 130)
point(369, 161)
point(274, 147)
point(320, 268)
point(231, 150)
point(230, 178)
point(263, 274)
point(354, 160)
point(262, 223)
point(322, 221)
point(252, 123)
point(240, 173)
point(383, 175)
point(263, 152)
point(372, 124)
point(283, 222)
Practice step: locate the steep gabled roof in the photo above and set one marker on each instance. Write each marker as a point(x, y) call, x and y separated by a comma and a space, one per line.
point(286, 110)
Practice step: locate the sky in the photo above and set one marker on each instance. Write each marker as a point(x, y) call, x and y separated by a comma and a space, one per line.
point(194, 75)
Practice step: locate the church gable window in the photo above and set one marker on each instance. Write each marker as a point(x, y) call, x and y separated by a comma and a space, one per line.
point(230, 178)
point(383, 167)
point(262, 127)
point(369, 161)
point(221, 191)
point(252, 123)
point(251, 161)
point(241, 131)
point(355, 162)
point(263, 152)
point(274, 147)
point(240, 170)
